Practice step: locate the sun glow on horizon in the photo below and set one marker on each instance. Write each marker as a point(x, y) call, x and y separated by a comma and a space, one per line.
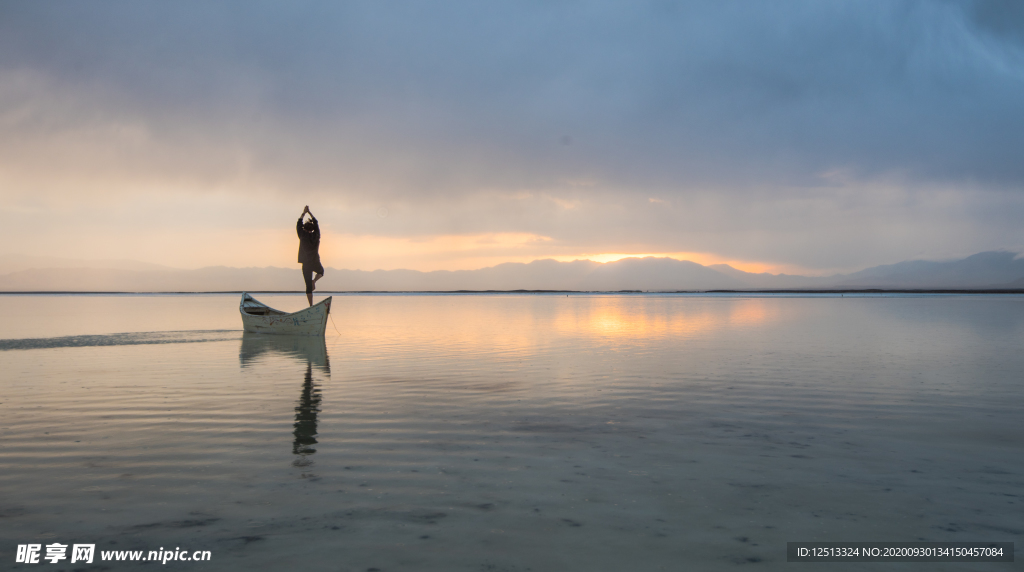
point(702, 258)
point(476, 251)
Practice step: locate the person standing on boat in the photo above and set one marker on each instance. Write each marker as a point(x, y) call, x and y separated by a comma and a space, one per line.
point(309, 251)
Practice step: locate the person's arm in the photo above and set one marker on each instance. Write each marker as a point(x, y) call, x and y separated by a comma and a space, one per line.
point(316, 225)
point(298, 225)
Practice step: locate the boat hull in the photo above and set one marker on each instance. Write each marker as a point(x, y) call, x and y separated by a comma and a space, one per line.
point(258, 318)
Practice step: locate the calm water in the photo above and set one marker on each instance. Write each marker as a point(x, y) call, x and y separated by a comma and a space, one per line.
point(511, 432)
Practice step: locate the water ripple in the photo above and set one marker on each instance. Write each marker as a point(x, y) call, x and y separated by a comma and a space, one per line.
point(122, 339)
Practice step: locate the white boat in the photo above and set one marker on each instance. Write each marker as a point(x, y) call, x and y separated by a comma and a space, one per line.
point(258, 318)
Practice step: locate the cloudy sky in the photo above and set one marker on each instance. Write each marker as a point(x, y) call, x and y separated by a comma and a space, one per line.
point(784, 136)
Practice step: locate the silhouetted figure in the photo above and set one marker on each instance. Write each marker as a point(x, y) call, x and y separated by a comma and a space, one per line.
point(309, 251)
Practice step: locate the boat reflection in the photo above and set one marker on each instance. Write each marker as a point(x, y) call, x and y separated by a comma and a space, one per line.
point(312, 351)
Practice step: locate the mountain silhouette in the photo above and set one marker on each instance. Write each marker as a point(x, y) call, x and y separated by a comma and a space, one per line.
point(997, 269)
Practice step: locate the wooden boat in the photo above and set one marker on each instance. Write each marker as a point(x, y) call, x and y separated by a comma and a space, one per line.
point(258, 318)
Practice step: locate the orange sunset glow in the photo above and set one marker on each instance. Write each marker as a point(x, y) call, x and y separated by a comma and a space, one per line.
point(470, 252)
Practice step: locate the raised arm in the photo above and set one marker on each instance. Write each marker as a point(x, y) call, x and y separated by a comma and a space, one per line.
point(298, 225)
point(312, 218)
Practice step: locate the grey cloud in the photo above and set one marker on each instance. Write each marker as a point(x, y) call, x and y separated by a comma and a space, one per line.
point(1003, 18)
point(421, 98)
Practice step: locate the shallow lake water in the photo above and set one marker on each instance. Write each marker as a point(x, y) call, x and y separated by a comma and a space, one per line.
point(511, 432)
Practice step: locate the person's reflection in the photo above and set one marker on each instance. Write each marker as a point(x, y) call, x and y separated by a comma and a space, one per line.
point(257, 348)
point(305, 420)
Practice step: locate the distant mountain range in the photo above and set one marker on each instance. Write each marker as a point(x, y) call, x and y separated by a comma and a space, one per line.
point(986, 270)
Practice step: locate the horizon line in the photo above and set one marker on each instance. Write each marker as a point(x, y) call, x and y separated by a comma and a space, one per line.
point(525, 291)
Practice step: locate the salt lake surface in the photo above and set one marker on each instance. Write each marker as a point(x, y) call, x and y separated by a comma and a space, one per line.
point(511, 432)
